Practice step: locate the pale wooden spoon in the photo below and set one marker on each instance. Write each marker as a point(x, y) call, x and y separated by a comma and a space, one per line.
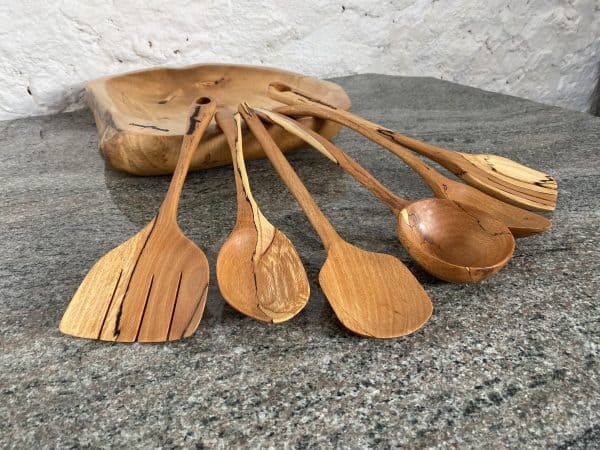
point(151, 288)
point(258, 270)
point(451, 241)
point(500, 177)
point(372, 294)
point(519, 221)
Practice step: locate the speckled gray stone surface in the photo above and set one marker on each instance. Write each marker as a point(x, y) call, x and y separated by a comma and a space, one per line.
point(511, 362)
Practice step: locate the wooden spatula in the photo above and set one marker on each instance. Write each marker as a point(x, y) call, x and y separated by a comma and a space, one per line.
point(153, 287)
point(500, 177)
point(372, 294)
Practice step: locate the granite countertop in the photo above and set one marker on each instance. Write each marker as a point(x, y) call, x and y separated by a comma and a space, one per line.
point(510, 362)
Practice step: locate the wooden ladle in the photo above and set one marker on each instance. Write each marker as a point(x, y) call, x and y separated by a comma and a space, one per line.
point(151, 288)
point(519, 221)
point(372, 294)
point(258, 270)
point(451, 241)
point(500, 177)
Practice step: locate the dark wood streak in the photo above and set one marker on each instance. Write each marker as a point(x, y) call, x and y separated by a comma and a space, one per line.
point(478, 221)
point(117, 330)
point(154, 127)
point(112, 298)
point(194, 120)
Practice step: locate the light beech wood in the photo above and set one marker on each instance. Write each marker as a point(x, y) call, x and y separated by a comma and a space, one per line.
point(500, 177)
point(520, 221)
point(258, 269)
point(140, 116)
point(372, 294)
point(153, 287)
point(451, 241)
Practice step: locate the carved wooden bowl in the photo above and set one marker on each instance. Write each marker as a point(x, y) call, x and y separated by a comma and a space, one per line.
point(141, 116)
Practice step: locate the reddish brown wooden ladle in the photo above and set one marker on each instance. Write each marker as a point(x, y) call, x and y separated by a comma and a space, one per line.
point(454, 242)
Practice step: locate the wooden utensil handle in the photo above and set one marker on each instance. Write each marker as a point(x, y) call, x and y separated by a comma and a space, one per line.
point(231, 127)
point(292, 96)
point(368, 129)
point(201, 113)
point(318, 220)
point(328, 148)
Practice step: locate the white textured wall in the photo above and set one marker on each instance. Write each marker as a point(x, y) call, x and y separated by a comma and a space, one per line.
point(546, 50)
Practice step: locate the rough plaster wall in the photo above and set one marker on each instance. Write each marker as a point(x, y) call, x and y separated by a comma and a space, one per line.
point(546, 50)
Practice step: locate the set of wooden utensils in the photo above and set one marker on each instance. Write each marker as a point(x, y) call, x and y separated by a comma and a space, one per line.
point(153, 287)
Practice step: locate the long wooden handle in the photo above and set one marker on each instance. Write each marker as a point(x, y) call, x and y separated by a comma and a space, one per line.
point(293, 96)
point(318, 220)
point(370, 130)
point(393, 201)
point(231, 127)
point(201, 113)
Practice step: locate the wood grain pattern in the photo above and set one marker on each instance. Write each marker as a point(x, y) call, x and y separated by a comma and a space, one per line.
point(452, 242)
point(153, 287)
point(141, 116)
point(372, 294)
point(520, 221)
point(258, 269)
point(500, 177)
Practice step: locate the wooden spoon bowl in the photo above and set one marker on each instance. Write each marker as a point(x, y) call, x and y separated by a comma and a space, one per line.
point(258, 269)
point(272, 289)
point(454, 242)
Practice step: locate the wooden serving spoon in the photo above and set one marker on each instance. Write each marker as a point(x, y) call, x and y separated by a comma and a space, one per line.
point(258, 270)
point(519, 221)
point(500, 177)
point(151, 288)
point(372, 294)
point(451, 241)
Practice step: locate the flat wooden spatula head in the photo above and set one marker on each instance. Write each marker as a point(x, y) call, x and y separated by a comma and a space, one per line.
point(151, 288)
point(373, 294)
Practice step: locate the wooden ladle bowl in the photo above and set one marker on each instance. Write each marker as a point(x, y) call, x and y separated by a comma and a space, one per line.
point(454, 242)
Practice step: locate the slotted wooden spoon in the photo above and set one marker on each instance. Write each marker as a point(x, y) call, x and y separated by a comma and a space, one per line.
point(451, 241)
point(258, 269)
point(520, 222)
point(153, 287)
point(372, 294)
point(500, 177)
